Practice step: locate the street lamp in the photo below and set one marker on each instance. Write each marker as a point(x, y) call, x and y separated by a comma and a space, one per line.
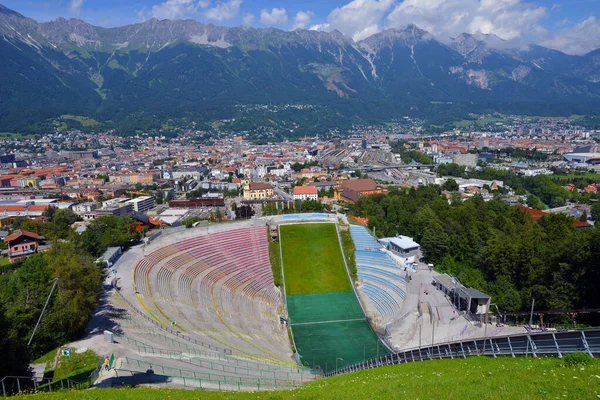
point(336, 360)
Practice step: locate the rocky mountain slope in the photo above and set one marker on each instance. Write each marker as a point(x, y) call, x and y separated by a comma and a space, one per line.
point(174, 68)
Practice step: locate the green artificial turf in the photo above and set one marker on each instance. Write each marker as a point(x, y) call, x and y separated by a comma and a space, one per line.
point(312, 259)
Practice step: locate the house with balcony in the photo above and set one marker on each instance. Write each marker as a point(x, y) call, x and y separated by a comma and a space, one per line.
point(22, 244)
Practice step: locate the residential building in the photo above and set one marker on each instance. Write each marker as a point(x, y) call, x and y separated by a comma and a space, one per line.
point(258, 191)
point(142, 204)
point(110, 211)
point(22, 244)
point(305, 193)
point(84, 208)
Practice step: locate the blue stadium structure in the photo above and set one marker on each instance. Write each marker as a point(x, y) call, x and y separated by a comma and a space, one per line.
point(381, 277)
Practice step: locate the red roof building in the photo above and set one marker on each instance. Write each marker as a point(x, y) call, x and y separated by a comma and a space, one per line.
point(22, 244)
point(306, 193)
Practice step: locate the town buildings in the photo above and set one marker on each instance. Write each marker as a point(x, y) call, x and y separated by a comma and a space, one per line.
point(305, 193)
point(258, 191)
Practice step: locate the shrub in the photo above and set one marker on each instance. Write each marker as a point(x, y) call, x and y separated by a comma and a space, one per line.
point(574, 359)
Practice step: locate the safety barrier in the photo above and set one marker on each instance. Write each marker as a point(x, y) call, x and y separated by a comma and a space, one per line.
point(15, 385)
point(181, 372)
point(132, 378)
point(222, 364)
point(534, 344)
point(166, 329)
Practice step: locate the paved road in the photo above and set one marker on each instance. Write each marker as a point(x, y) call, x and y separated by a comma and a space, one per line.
point(283, 194)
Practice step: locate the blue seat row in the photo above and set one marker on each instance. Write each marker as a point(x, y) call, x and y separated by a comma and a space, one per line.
point(362, 238)
point(384, 303)
point(382, 272)
point(383, 282)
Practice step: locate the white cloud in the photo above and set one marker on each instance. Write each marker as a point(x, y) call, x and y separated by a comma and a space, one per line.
point(174, 9)
point(302, 19)
point(277, 16)
point(321, 27)
point(358, 19)
point(75, 6)
point(224, 10)
point(507, 19)
point(247, 19)
point(579, 39)
point(203, 3)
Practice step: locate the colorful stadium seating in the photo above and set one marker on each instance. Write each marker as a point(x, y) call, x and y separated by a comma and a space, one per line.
point(381, 277)
point(218, 285)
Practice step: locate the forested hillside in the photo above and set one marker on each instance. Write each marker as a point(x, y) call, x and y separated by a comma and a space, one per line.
point(494, 247)
point(25, 286)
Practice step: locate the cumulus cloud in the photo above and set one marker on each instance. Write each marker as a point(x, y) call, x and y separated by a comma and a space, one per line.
point(321, 27)
point(302, 19)
point(224, 10)
point(174, 9)
point(507, 19)
point(578, 39)
point(277, 16)
point(75, 6)
point(247, 19)
point(358, 19)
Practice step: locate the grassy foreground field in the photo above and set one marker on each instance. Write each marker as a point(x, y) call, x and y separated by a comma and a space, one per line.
point(312, 259)
point(473, 378)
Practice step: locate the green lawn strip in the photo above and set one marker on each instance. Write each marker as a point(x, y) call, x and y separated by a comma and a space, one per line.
point(471, 378)
point(312, 259)
point(4, 261)
point(349, 252)
point(47, 358)
point(77, 367)
point(275, 261)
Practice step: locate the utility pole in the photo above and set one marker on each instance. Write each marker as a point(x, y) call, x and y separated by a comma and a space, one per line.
point(531, 314)
point(43, 309)
point(530, 322)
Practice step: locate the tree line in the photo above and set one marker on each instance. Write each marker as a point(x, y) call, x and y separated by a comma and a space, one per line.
point(494, 247)
point(25, 286)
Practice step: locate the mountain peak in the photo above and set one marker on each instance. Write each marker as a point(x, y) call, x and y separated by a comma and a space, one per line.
point(7, 11)
point(408, 36)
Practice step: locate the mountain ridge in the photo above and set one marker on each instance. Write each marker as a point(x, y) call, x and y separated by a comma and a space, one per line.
point(190, 67)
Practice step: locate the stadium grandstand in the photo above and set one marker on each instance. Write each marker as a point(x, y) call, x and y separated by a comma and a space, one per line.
point(203, 312)
point(380, 277)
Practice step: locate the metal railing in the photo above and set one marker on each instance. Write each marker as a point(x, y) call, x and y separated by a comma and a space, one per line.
point(16, 385)
point(531, 344)
point(171, 331)
point(222, 363)
point(132, 378)
point(211, 377)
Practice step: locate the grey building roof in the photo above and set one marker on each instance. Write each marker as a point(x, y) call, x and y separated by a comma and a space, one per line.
point(404, 242)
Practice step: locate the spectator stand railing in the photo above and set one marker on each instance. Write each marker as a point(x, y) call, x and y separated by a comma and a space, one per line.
point(548, 343)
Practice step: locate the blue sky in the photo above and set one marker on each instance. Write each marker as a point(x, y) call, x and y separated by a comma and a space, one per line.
point(570, 26)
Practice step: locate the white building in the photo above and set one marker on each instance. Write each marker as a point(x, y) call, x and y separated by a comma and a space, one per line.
point(84, 208)
point(306, 193)
point(142, 204)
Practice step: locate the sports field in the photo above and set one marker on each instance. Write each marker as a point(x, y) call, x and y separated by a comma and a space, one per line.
point(326, 319)
point(313, 259)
